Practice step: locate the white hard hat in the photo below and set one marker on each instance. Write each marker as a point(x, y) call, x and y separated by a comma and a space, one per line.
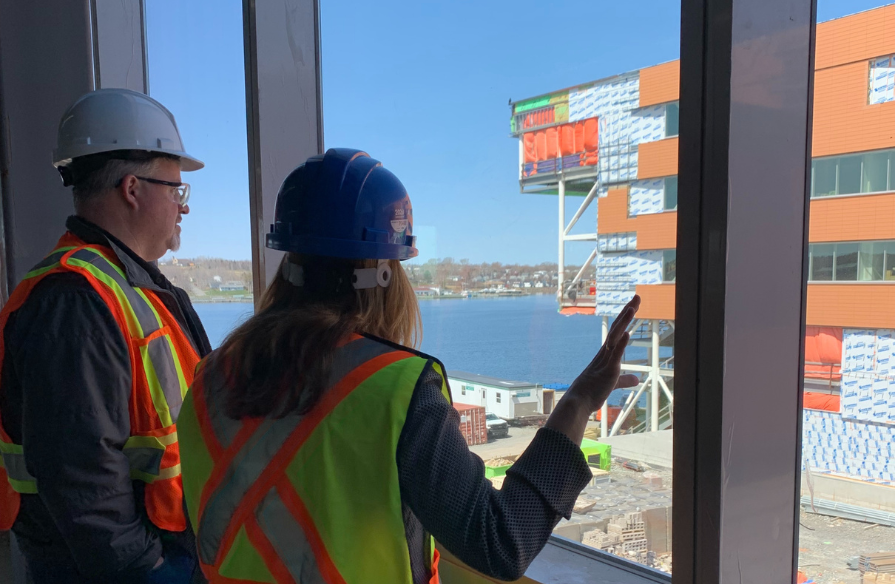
point(119, 119)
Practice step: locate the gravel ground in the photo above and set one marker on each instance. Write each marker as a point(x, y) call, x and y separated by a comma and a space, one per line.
point(827, 543)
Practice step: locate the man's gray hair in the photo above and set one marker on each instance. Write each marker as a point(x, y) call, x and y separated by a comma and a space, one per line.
point(94, 175)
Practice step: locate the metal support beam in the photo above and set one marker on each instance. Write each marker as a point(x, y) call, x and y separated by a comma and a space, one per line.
point(667, 391)
point(581, 237)
point(584, 205)
point(654, 379)
point(285, 117)
point(604, 410)
point(584, 267)
point(561, 263)
point(629, 407)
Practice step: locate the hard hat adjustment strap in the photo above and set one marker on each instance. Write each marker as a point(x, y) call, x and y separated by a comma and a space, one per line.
point(364, 278)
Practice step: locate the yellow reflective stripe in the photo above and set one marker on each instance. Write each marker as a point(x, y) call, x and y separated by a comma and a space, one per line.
point(133, 324)
point(180, 377)
point(164, 474)
point(184, 386)
point(23, 487)
point(40, 271)
point(445, 388)
point(159, 442)
point(11, 448)
point(155, 388)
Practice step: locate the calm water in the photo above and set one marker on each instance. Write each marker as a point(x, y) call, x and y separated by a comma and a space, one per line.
point(522, 339)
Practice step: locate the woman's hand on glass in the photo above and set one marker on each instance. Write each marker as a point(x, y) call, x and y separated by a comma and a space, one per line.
point(603, 374)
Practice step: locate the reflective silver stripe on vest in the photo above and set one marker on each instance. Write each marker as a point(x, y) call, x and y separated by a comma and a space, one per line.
point(14, 462)
point(47, 262)
point(146, 316)
point(288, 539)
point(162, 360)
point(258, 451)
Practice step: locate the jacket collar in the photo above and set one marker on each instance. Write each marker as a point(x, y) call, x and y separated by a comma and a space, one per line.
point(139, 272)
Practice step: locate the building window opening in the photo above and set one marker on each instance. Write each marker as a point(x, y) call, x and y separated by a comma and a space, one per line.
point(669, 265)
point(868, 261)
point(671, 193)
point(869, 172)
point(882, 80)
point(672, 119)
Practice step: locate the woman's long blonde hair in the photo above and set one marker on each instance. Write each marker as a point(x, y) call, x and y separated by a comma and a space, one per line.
point(279, 361)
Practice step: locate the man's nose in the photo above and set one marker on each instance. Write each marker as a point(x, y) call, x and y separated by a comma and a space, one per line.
point(184, 209)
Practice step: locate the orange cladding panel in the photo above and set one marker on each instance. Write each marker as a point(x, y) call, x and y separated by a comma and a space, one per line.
point(660, 84)
point(858, 218)
point(657, 301)
point(657, 159)
point(859, 37)
point(851, 305)
point(843, 120)
point(654, 231)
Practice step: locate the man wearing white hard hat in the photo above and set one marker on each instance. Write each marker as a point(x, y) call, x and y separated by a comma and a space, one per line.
point(97, 351)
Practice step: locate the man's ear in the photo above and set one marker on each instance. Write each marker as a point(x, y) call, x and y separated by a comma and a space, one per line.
point(129, 190)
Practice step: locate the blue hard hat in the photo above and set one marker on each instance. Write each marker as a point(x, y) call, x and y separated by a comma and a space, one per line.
point(343, 204)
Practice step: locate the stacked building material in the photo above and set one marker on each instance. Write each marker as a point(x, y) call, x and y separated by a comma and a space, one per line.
point(881, 563)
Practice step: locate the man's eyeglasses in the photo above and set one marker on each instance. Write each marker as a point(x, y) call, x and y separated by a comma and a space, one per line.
point(181, 189)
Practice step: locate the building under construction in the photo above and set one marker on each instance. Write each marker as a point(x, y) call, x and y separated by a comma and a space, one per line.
point(611, 146)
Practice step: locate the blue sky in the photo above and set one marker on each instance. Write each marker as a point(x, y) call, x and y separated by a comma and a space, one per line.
point(423, 87)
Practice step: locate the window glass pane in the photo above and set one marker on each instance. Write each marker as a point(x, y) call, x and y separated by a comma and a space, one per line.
point(672, 119)
point(208, 101)
point(889, 253)
point(870, 261)
point(846, 262)
point(850, 175)
point(669, 263)
point(671, 193)
point(436, 106)
point(875, 177)
point(824, 172)
point(822, 262)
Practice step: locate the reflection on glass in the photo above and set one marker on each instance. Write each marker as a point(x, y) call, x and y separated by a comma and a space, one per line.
point(850, 174)
point(876, 172)
point(669, 264)
point(845, 264)
point(872, 258)
point(672, 119)
point(824, 177)
point(822, 262)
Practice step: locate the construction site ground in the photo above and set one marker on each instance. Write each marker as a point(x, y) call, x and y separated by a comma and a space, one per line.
point(827, 543)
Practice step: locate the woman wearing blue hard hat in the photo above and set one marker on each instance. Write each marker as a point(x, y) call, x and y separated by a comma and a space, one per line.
point(317, 446)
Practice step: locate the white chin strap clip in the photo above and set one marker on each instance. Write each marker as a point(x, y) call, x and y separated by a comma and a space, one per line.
point(371, 277)
point(364, 278)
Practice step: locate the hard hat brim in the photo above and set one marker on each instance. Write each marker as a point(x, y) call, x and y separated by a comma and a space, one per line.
point(64, 157)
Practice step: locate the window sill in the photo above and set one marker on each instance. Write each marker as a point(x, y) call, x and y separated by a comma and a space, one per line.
point(561, 561)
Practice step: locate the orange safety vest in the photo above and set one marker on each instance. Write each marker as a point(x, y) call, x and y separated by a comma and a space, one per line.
point(311, 498)
point(162, 363)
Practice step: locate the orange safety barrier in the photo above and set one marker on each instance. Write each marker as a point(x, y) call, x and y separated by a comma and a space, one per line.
point(821, 401)
point(823, 352)
point(529, 151)
point(552, 143)
point(562, 140)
